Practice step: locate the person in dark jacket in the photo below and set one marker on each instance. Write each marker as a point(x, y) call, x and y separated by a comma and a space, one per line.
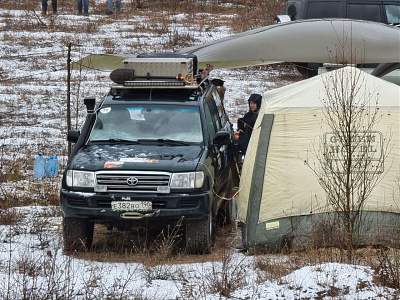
point(246, 123)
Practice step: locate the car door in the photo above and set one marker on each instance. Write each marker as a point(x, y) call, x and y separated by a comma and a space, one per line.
point(221, 155)
point(213, 125)
point(228, 150)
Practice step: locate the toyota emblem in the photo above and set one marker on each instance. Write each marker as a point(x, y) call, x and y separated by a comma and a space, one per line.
point(132, 181)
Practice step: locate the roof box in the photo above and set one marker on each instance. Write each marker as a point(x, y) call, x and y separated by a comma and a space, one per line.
point(172, 55)
point(163, 67)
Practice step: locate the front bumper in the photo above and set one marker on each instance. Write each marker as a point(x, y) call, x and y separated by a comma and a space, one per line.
point(96, 207)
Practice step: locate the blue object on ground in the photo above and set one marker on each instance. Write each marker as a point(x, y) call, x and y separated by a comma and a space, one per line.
point(39, 168)
point(51, 166)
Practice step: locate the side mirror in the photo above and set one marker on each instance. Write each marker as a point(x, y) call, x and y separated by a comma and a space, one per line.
point(222, 138)
point(90, 103)
point(73, 136)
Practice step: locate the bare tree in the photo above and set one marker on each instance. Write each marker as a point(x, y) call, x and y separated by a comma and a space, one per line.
point(351, 161)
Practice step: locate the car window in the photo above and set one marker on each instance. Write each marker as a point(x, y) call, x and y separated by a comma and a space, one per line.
point(134, 122)
point(392, 13)
point(220, 107)
point(292, 9)
point(370, 12)
point(325, 9)
point(214, 112)
point(211, 118)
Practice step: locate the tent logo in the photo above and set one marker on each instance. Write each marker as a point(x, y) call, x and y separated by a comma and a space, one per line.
point(365, 147)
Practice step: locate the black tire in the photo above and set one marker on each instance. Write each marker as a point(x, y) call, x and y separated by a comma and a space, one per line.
point(78, 234)
point(200, 235)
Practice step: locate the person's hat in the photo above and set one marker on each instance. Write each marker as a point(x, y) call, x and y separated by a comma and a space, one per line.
point(256, 98)
point(217, 82)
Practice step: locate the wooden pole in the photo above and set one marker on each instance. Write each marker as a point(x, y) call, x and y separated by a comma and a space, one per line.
point(69, 94)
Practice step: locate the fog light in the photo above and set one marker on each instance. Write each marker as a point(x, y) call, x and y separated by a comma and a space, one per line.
point(100, 188)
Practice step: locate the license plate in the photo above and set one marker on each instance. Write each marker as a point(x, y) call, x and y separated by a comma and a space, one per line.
point(131, 205)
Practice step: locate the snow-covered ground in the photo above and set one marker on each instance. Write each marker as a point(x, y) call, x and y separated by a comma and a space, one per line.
point(33, 95)
point(34, 267)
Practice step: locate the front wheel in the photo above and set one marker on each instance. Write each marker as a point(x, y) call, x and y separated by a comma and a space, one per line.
point(200, 235)
point(78, 234)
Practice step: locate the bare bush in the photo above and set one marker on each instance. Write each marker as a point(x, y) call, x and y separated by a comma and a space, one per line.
point(349, 168)
point(158, 257)
point(9, 216)
point(272, 268)
point(228, 274)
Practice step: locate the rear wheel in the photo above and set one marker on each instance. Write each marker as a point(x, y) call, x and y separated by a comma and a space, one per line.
point(78, 234)
point(200, 235)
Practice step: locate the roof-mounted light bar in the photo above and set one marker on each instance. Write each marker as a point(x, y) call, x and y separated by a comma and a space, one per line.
point(153, 83)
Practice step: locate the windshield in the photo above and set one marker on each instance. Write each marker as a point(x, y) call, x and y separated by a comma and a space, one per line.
point(147, 122)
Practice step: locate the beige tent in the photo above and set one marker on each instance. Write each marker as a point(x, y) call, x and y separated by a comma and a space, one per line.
point(281, 202)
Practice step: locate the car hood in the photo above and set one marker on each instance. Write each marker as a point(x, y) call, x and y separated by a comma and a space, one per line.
point(137, 157)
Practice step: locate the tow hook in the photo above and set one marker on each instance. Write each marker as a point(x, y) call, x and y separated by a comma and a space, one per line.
point(136, 215)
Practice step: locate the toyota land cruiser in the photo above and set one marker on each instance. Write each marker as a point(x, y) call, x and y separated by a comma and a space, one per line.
point(157, 148)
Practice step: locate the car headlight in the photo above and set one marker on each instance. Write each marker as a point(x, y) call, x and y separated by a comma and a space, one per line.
point(189, 180)
point(80, 178)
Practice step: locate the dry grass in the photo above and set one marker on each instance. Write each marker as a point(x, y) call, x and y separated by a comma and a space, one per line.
point(253, 8)
point(9, 216)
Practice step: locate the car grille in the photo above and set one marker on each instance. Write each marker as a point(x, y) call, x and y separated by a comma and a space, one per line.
point(141, 182)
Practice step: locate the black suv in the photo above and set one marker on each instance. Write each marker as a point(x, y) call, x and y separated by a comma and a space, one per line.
point(387, 12)
point(156, 149)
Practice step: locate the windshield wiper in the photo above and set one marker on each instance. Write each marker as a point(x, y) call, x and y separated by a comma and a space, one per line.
point(165, 141)
point(122, 141)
